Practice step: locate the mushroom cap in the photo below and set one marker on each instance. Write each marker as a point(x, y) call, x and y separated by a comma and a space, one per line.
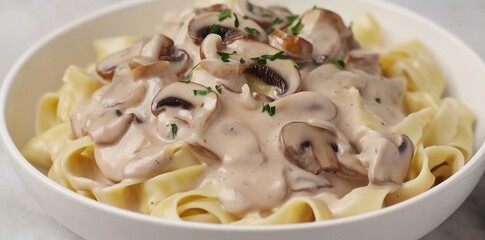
point(295, 46)
point(178, 100)
point(327, 29)
point(279, 73)
point(201, 25)
point(107, 66)
point(394, 153)
point(363, 60)
point(146, 52)
point(309, 147)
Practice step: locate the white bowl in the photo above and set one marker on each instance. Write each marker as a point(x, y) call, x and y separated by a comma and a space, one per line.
point(40, 70)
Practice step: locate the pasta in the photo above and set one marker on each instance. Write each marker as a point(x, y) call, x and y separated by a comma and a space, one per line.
point(280, 119)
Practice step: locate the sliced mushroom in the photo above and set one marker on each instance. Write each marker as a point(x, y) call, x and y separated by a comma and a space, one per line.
point(160, 69)
point(306, 105)
point(279, 73)
point(229, 75)
point(295, 46)
point(109, 127)
point(330, 37)
point(364, 60)
point(311, 148)
point(161, 48)
point(107, 66)
point(191, 103)
point(206, 23)
point(148, 162)
point(146, 52)
point(393, 153)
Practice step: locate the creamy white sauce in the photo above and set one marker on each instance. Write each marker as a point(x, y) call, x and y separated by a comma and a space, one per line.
point(251, 160)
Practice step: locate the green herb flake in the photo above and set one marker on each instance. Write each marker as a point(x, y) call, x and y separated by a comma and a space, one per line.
point(259, 60)
point(219, 88)
point(275, 22)
point(270, 109)
point(236, 21)
point(378, 99)
point(246, 17)
point(267, 15)
point(214, 28)
point(338, 63)
point(224, 14)
point(202, 92)
point(296, 65)
point(225, 56)
point(262, 59)
point(242, 61)
point(174, 129)
point(295, 30)
point(252, 31)
point(291, 19)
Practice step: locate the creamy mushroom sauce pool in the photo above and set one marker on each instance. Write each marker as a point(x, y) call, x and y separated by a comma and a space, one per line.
point(287, 113)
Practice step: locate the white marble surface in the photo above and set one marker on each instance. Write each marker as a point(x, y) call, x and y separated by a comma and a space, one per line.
point(22, 22)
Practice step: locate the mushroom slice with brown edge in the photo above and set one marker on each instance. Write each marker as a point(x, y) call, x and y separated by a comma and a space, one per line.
point(110, 126)
point(366, 61)
point(208, 23)
point(309, 147)
point(261, 61)
point(307, 105)
point(190, 103)
point(394, 153)
point(295, 46)
point(330, 37)
point(106, 67)
point(159, 69)
point(161, 48)
point(149, 162)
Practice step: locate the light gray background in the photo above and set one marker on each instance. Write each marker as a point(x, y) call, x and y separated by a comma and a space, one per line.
point(22, 22)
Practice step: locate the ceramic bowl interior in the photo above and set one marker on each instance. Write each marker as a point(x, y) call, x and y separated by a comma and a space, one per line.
point(40, 70)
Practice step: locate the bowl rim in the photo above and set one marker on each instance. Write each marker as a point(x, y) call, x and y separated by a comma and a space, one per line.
point(11, 151)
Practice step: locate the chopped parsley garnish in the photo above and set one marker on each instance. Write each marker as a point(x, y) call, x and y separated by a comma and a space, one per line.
point(270, 109)
point(219, 88)
point(214, 28)
point(378, 99)
point(242, 61)
point(245, 17)
point(174, 130)
point(236, 21)
point(297, 28)
point(224, 14)
point(296, 65)
point(267, 15)
point(291, 19)
point(202, 92)
point(275, 22)
point(338, 63)
point(252, 31)
point(262, 59)
point(225, 56)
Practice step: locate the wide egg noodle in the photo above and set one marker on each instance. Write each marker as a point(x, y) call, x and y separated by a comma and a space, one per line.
point(200, 205)
point(296, 210)
point(175, 193)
